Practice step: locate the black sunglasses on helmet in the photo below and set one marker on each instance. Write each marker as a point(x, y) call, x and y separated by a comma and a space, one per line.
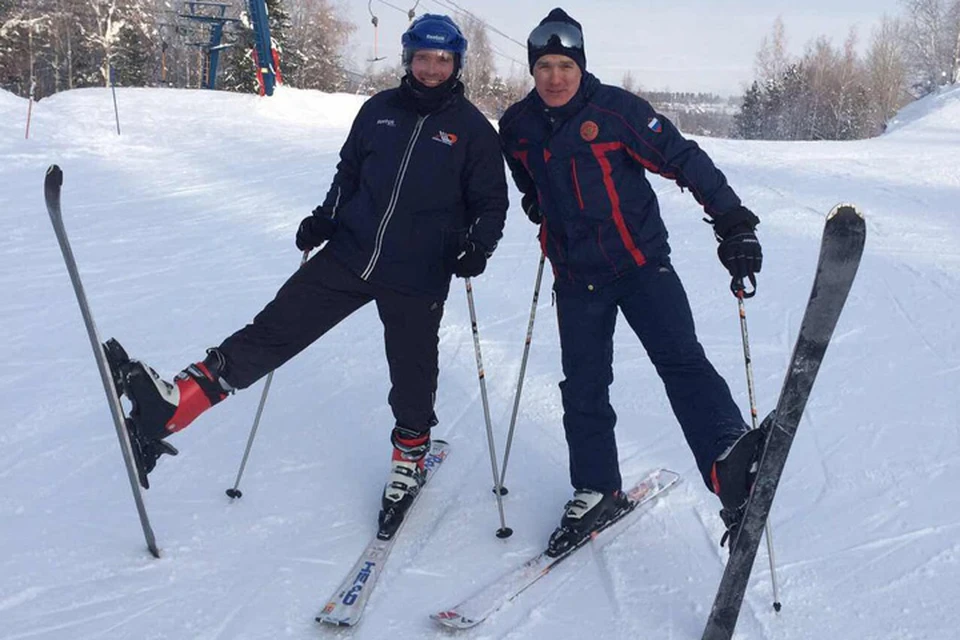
point(563, 33)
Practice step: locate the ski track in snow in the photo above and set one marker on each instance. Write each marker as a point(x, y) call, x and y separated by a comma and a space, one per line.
point(182, 229)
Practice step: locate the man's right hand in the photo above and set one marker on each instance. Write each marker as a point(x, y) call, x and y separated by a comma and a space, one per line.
point(531, 207)
point(315, 229)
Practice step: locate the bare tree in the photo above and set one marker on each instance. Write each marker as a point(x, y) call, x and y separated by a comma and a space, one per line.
point(319, 31)
point(886, 69)
point(933, 42)
point(479, 72)
point(772, 59)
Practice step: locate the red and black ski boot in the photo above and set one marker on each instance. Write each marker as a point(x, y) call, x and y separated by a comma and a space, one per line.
point(158, 407)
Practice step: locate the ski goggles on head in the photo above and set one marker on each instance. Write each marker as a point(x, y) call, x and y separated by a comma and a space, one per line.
point(562, 33)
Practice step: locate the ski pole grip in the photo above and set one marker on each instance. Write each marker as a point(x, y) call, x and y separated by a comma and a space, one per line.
point(740, 290)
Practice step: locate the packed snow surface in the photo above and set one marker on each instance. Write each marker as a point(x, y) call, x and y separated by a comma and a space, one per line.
point(183, 229)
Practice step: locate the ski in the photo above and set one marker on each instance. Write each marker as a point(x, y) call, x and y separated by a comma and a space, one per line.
point(51, 191)
point(840, 252)
point(350, 599)
point(482, 604)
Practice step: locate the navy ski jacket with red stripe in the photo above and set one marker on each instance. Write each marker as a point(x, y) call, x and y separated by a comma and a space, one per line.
point(586, 163)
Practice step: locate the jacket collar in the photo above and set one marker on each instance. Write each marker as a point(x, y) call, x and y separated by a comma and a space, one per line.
point(416, 97)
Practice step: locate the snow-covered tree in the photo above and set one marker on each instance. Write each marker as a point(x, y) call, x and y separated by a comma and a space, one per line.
point(319, 32)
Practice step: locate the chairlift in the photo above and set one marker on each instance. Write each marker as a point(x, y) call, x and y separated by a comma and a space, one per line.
point(412, 13)
point(375, 21)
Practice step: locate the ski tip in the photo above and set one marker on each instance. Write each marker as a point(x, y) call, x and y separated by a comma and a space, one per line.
point(844, 207)
point(54, 176)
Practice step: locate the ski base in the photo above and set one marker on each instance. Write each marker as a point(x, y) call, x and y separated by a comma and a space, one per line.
point(347, 604)
point(489, 599)
point(840, 252)
point(51, 191)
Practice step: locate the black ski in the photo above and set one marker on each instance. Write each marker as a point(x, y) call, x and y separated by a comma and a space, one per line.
point(840, 252)
point(51, 192)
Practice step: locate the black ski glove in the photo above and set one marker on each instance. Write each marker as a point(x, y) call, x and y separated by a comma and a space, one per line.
point(532, 208)
point(739, 249)
point(471, 262)
point(315, 229)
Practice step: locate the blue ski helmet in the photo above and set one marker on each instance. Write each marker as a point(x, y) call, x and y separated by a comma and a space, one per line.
point(432, 31)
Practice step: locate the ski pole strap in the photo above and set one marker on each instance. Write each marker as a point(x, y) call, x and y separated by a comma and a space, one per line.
point(740, 290)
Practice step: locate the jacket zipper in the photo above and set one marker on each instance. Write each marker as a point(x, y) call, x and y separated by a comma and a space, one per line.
point(392, 205)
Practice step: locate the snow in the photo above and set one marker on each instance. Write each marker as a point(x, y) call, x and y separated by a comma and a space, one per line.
point(183, 228)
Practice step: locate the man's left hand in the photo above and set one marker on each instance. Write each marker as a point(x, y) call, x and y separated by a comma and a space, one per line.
point(471, 262)
point(740, 252)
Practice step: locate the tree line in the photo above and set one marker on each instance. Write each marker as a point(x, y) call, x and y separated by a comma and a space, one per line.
point(835, 93)
point(48, 46)
point(829, 92)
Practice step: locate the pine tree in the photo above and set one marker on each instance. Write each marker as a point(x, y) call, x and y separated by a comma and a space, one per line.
point(238, 71)
point(748, 123)
point(132, 60)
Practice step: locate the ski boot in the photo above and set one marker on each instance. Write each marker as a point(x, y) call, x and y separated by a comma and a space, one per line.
point(158, 407)
point(407, 475)
point(732, 476)
point(589, 511)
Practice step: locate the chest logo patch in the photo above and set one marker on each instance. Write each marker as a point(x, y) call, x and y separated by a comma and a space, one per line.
point(654, 125)
point(448, 139)
point(589, 131)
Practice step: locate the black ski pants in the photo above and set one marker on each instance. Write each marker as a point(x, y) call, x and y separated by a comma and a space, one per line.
point(314, 300)
point(654, 304)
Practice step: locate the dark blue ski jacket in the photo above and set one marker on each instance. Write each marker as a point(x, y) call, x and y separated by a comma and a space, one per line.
point(412, 190)
point(585, 164)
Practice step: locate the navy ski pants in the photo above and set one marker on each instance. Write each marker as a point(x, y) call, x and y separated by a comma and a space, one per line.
point(654, 303)
point(314, 300)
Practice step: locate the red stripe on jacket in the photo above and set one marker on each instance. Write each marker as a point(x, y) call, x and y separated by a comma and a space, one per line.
point(599, 152)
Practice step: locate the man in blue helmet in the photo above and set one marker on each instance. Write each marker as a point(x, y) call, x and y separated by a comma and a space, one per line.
point(419, 195)
point(579, 151)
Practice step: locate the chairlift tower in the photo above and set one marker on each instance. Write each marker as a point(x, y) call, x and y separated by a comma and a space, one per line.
point(212, 14)
point(264, 59)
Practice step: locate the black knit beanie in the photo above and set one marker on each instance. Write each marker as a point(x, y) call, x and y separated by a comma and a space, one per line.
point(553, 44)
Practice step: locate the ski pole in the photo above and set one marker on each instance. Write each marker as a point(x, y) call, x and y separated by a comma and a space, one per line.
point(234, 492)
point(113, 90)
point(504, 531)
point(523, 369)
point(740, 292)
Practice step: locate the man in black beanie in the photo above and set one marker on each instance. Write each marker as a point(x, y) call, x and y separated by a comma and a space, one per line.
point(579, 152)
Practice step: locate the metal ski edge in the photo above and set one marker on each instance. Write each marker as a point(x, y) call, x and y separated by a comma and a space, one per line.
point(348, 602)
point(489, 598)
point(51, 190)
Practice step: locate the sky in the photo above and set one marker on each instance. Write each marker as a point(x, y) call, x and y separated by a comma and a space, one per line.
point(183, 228)
point(684, 45)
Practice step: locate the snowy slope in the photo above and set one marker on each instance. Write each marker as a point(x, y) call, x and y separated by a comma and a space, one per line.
point(183, 228)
